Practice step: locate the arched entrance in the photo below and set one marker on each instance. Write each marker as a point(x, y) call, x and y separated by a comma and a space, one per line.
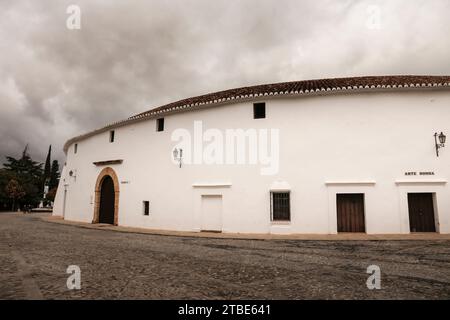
point(106, 214)
point(106, 208)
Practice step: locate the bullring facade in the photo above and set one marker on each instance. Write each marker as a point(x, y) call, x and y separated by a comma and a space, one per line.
point(362, 154)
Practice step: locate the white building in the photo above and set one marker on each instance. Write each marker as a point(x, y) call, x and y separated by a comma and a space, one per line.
point(344, 155)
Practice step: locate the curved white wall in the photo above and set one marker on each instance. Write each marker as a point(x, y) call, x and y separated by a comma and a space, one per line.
point(329, 144)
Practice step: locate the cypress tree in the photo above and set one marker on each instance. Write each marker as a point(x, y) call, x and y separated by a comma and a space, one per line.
point(54, 175)
point(47, 167)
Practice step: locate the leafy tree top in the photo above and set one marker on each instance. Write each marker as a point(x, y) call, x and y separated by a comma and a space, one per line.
point(24, 166)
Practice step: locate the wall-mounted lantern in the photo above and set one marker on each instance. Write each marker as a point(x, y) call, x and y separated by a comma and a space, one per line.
point(178, 155)
point(441, 143)
point(73, 174)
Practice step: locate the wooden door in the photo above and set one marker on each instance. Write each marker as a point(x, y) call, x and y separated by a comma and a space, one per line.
point(350, 212)
point(421, 212)
point(107, 198)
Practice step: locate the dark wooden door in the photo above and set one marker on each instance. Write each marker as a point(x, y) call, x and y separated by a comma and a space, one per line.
point(107, 198)
point(421, 212)
point(350, 212)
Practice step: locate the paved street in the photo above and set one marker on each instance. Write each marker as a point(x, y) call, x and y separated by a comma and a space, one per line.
point(35, 254)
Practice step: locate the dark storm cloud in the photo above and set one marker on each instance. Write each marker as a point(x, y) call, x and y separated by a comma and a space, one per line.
point(131, 56)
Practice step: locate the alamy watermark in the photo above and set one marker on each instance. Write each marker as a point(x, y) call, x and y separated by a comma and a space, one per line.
point(73, 22)
point(74, 280)
point(374, 280)
point(373, 21)
point(228, 147)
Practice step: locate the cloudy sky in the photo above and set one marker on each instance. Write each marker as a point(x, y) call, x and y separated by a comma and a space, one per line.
point(131, 56)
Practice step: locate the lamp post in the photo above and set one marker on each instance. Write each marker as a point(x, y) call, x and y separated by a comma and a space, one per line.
point(441, 137)
point(178, 155)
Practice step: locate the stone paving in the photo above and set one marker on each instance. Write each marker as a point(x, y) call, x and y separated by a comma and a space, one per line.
point(35, 254)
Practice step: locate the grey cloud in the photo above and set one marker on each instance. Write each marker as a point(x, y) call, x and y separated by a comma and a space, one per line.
point(131, 56)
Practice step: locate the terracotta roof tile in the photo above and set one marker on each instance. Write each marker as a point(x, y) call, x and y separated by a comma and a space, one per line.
point(302, 86)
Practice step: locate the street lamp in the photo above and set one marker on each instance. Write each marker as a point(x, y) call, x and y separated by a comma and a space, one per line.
point(441, 136)
point(178, 155)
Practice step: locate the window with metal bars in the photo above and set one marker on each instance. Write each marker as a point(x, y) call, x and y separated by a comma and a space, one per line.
point(281, 206)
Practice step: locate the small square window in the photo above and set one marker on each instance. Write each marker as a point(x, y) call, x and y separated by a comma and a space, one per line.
point(281, 206)
point(112, 134)
point(259, 110)
point(146, 208)
point(75, 148)
point(160, 124)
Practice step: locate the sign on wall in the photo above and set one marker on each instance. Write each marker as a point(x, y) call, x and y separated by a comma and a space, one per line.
point(420, 173)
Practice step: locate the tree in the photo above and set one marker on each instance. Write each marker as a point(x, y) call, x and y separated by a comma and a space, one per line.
point(54, 175)
point(5, 177)
point(52, 194)
point(28, 174)
point(47, 168)
point(14, 191)
point(24, 166)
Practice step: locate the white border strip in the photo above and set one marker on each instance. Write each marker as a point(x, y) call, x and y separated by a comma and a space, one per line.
point(347, 183)
point(211, 184)
point(402, 182)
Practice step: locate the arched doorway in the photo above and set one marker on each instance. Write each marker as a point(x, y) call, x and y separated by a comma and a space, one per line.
point(106, 209)
point(106, 214)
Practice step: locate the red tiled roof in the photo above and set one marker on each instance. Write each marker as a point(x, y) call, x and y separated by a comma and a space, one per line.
point(306, 86)
point(283, 88)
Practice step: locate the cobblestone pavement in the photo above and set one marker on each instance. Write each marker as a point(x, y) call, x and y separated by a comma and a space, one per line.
point(35, 254)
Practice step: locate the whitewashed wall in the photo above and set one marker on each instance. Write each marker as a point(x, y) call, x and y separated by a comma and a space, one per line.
point(362, 142)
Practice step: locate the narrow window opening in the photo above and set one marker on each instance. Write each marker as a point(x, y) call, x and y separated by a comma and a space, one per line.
point(112, 134)
point(160, 124)
point(146, 208)
point(259, 110)
point(75, 148)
